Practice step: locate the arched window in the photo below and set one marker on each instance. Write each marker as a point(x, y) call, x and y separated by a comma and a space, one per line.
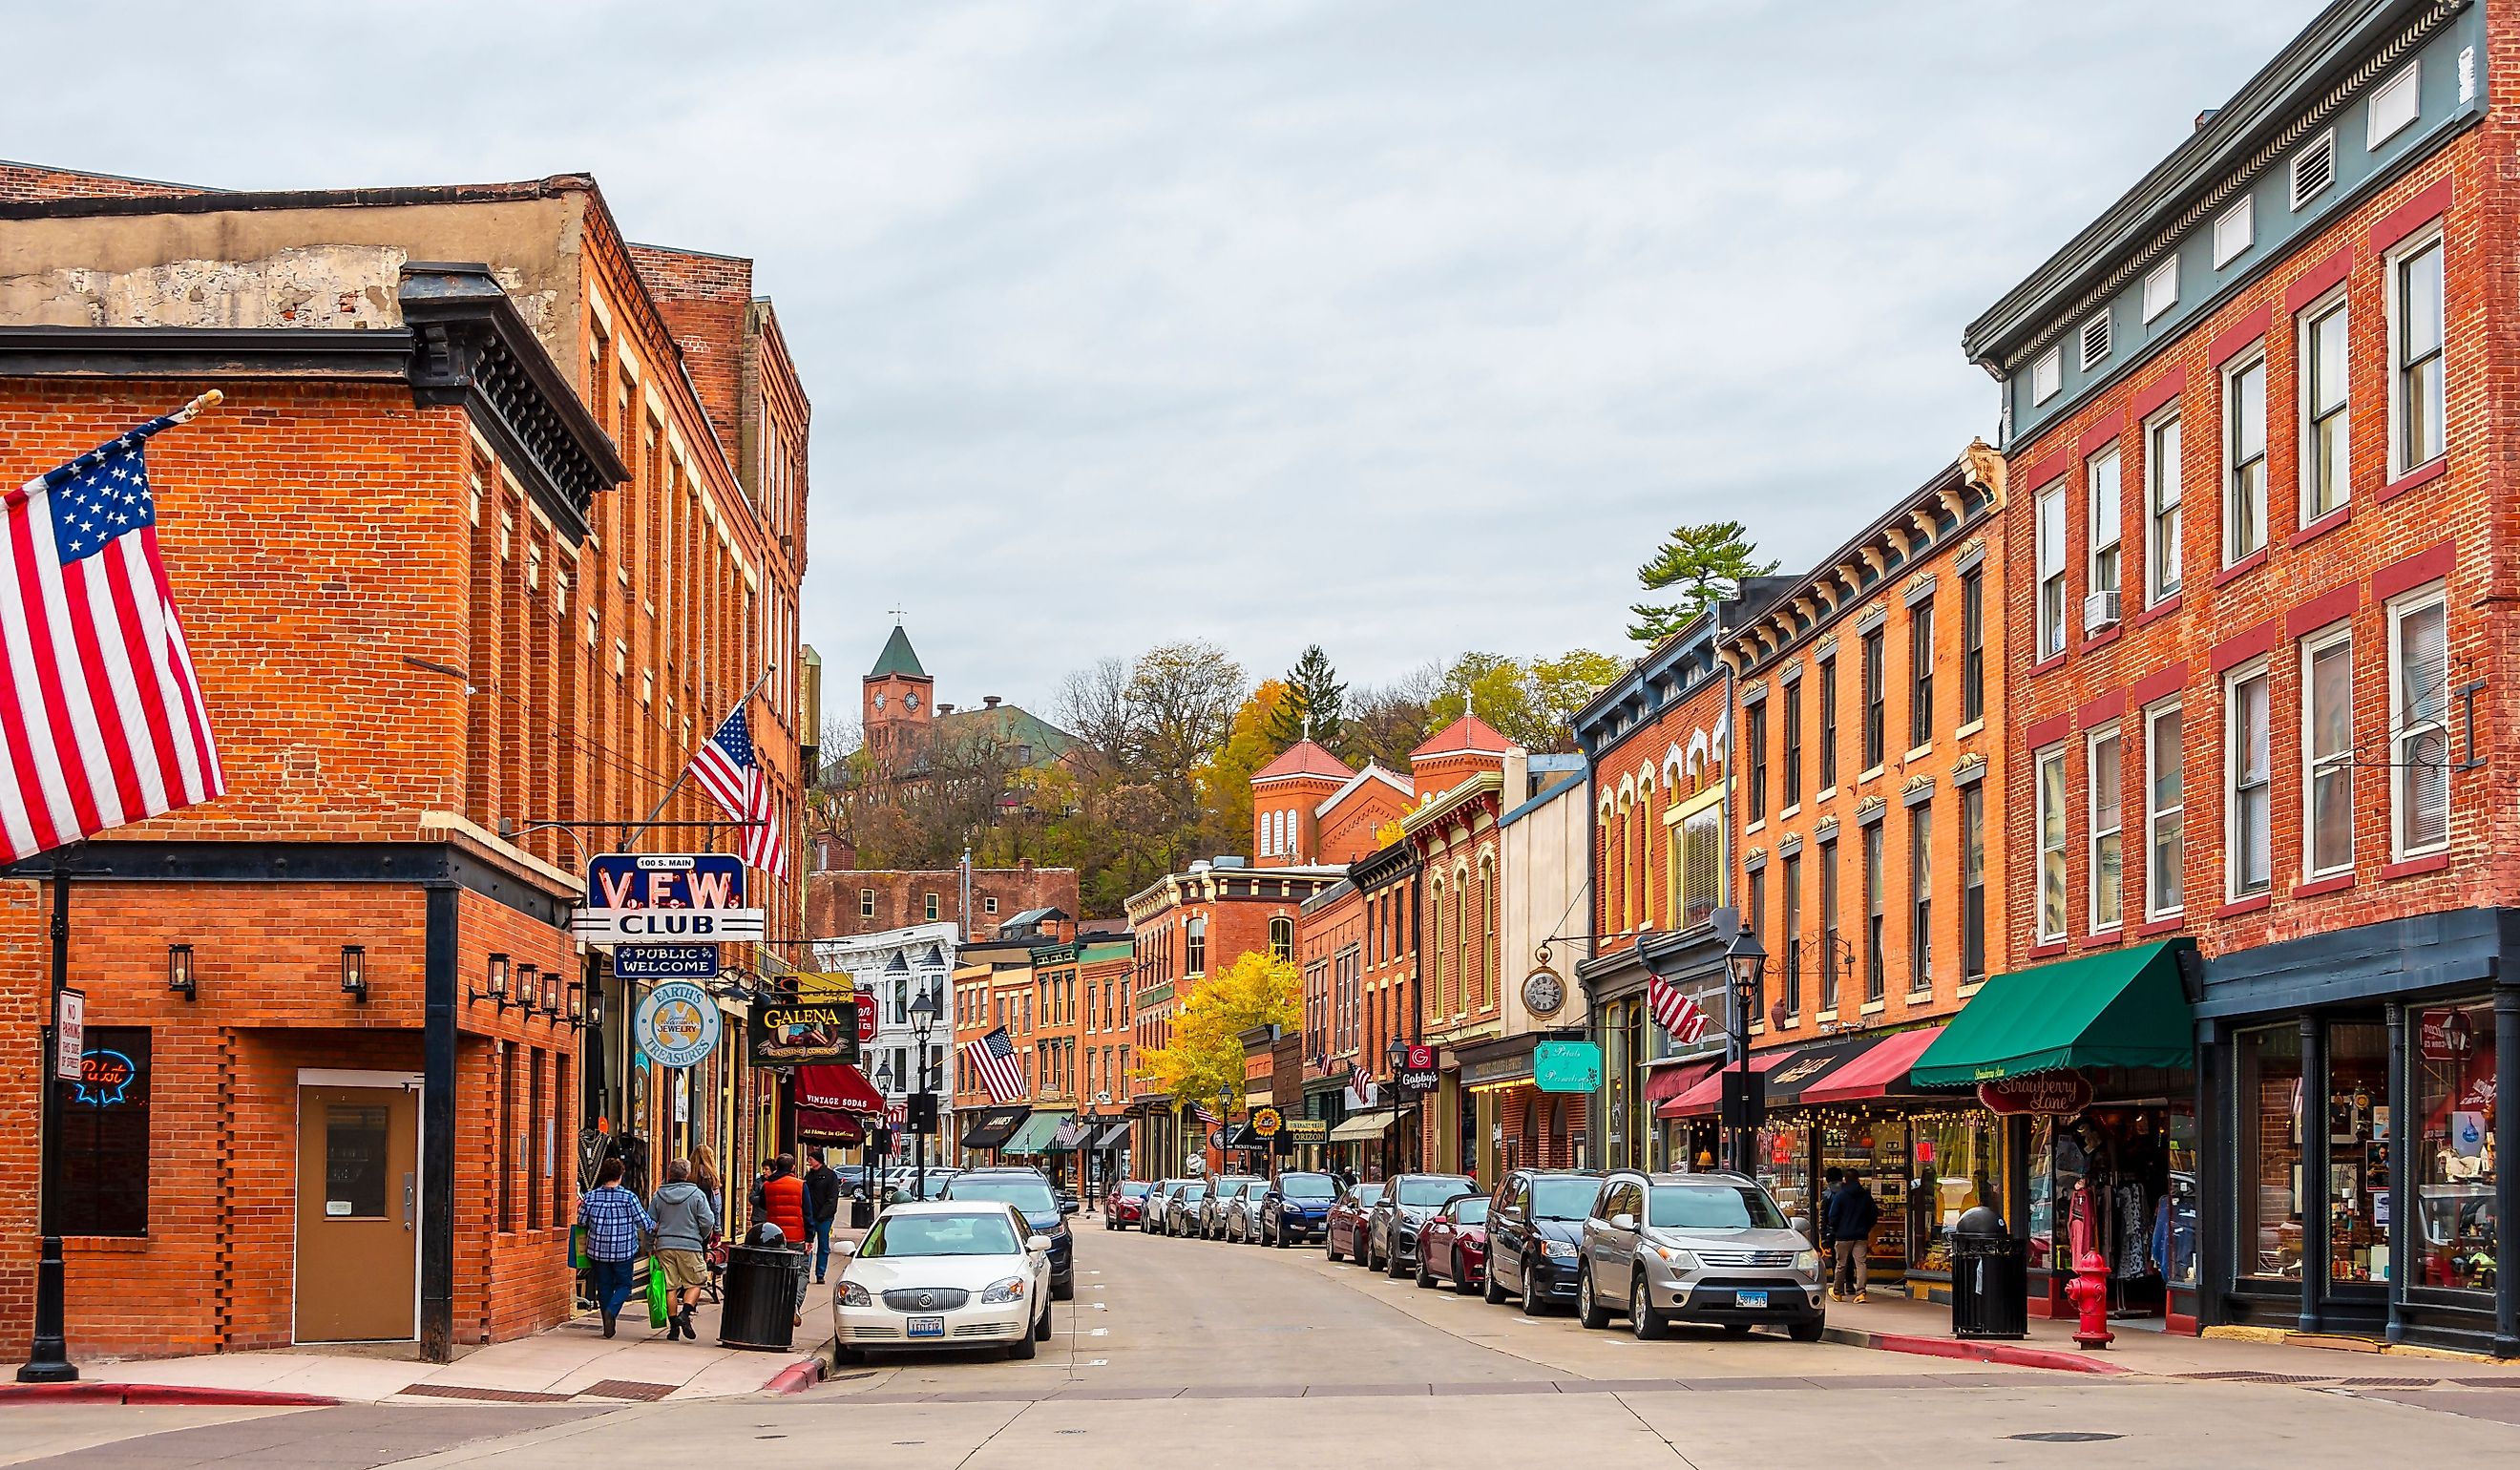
point(1282, 937)
point(1647, 911)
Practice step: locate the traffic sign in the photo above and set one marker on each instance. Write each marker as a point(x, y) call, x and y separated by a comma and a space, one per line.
point(70, 1034)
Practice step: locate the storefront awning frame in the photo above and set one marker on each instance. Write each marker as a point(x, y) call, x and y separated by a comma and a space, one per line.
point(2121, 1007)
point(1363, 1128)
point(992, 1127)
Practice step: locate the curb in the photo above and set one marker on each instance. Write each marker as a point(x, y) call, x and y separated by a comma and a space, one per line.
point(2006, 1354)
point(160, 1393)
point(796, 1377)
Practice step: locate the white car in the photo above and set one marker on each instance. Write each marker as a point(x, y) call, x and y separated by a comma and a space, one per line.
point(944, 1274)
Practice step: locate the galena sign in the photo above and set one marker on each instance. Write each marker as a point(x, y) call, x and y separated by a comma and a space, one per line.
point(696, 898)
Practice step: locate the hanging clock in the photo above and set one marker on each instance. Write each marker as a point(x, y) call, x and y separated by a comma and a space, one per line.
point(1544, 995)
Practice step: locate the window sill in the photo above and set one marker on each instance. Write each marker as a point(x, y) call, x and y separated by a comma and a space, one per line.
point(1872, 775)
point(2321, 526)
point(2250, 905)
point(2161, 610)
point(2241, 569)
point(1791, 813)
point(1970, 729)
point(2050, 948)
point(1873, 1008)
point(1972, 988)
point(1916, 753)
point(1826, 1017)
point(2416, 866)
point(2415, 479)
point(1755, 828)
point(2052, 660)
point(1824, 794)
point(2334, 882)
point(2108, 938)
point(2105, 636)
point(2167, 924)
point(1923, 997)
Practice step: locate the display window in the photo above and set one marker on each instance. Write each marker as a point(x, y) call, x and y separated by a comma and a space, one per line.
point(1876, 1148)
point(2268, 1176)
point(1956, 1161)
point(2454, 1162)
point(2357, 1151)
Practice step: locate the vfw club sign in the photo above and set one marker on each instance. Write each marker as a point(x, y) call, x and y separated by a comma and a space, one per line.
point(688, 898)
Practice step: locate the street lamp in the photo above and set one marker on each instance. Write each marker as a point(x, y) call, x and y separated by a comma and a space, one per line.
point(1399, 1054)
point(1744, 959)
point(923, 1013)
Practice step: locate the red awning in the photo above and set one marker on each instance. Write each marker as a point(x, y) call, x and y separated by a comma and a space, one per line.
point(1878, 1072)
point(837, 1088)
point(830, 1127)
point(1665, 1082)
point(1708, 1092)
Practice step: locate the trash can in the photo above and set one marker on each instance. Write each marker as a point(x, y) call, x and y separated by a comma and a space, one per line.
point(861, 1210)
point(760, 1309)
point(1990, 1279)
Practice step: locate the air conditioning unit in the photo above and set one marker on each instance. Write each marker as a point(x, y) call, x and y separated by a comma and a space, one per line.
point(2100, 610)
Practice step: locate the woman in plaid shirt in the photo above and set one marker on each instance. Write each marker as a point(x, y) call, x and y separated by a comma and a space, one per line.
point(617, 1227)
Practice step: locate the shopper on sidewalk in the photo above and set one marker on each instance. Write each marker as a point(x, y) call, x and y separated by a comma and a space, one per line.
point(1852, 1216)
point(822, 1208)
point(783, 1204)
point(685, 1225)
point(616, 1225)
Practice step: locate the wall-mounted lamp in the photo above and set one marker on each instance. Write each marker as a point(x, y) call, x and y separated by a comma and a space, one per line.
point(494, 986)
point(179, 972)
point(528, 988)
point(355, 972)
point(577, 1004)
point(550, 995)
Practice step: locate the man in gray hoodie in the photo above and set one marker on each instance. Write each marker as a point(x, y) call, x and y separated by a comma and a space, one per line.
point(685, 1225)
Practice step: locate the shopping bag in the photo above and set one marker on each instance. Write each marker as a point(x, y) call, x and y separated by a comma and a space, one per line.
point(655, 1293)
point(578, 1259)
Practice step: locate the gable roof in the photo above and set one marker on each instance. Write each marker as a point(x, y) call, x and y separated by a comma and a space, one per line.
point(1468, 733)
point(1372, 772)
point(1303, 758)
point(898, 658)
point(1009, 724)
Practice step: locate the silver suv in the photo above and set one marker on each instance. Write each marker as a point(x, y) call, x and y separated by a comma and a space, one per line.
point(1697, 1248)
point(1224, 1193)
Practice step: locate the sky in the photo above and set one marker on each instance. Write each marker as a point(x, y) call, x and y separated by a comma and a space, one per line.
point(1402, 328)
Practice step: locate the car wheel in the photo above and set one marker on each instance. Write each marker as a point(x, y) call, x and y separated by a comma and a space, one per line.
point(1589, 1312)
point(1489, 1291)
point(847, 1356)
point(1391, 1261)
point(1648, 1324)
point(1807, 1332)
point(1462, 1285)
point(1041, 1329)
point(1063, 1291)
point(1532, 1304)
point(1425, 1271)
point(1023, 1348)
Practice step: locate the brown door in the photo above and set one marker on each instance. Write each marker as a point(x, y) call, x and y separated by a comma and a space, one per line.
point(358, 1213)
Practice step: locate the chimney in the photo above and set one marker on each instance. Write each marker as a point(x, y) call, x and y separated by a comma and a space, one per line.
point(990, 700)
point(944, 709)
point(1025, 864)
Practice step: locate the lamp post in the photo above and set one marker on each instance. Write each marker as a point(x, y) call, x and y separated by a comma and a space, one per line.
point(1744, 960)
point(923, 1021)
point(1399, 1054)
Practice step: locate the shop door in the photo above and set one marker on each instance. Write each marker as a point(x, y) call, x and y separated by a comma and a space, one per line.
point(358, 1213)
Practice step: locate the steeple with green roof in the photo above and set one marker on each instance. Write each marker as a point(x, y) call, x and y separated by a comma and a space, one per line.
point(897, 659)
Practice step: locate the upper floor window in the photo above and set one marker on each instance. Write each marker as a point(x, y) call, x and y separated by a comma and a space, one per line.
point(1831, 946)
point(2419, 698)
point(1920, 673)
point(2051, 796)
point(2107, 508)
point(2048, 375)
point(2325, 469)
point(2050, 532)
point(865, 903)
point(2161, 287)
point(1790, 775)
point(2107, 822)
point(1920, 898)
point(2234, 232)
point(1282, 937)
point(2416, 401)
point(1754, 733)
point(1972, 883)
point(2395, 105)
point(1874, 676)
point(2327, 753)
point(2248, 783)
point(932, 908)
point(1874, 984)
point(2161, 508)
point(1702, 865)
point(1826, 674)
point(2244, 451)
point(2165, 809)
point(1973, 645)
point(1196, 961)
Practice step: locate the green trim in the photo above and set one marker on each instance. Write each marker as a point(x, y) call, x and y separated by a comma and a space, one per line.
point(2112, 1009)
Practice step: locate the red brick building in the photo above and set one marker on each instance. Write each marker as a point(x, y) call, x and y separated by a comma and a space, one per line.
point(869, 901)
point(1308, 808)
point(2260, 529)
point(470, 563)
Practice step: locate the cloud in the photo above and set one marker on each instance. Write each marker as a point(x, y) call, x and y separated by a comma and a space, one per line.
point(1401, 327)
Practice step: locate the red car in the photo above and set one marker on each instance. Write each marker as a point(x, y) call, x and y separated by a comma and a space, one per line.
point(1454, 1245)
point(1125, 1205)
point(1346, 1229)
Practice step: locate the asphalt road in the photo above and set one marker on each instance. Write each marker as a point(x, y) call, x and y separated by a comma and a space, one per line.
point(1197, 1353)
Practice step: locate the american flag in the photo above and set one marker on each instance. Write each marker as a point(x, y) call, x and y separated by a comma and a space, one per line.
point(1360, 1087)
point(993, 1056)
point(735, 780)
point(1676, 1012)
point(1204, 1113)
point(100, 713)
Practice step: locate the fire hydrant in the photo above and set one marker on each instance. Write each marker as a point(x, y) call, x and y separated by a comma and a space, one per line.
point(2089, 1291)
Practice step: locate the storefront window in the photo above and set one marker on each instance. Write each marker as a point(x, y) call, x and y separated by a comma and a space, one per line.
point(1956, 1167)
point(2357, 1151)
point(2038, 1222)
point(2177, 1228)
point(2455, 1151)
point(1877, 1148)
point(1783, 1163)
point(2268, 1196)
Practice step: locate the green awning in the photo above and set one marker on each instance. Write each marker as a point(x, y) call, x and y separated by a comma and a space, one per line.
point(2113, 1008)
point(1038, 1134)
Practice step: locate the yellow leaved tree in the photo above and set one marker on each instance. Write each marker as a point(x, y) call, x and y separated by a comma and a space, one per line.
point(1205, 1062)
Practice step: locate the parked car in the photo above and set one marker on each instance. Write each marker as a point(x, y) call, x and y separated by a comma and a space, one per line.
point(1535, 1233)
point(1345, 1227)
point(1295, 1208)
point(1697, 1248)
point(909, 1189)
point(1391, 1238)
point(1150, 1215)
point(1240, 1223)
point(1125, 1204)
point(1041, 1208)
point(943, 1275)
point(1180, 1211)
point(1227, 1189)
point(1452, 1246)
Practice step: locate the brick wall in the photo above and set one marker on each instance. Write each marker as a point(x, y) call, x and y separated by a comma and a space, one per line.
point(31, 181)
point(836, 901)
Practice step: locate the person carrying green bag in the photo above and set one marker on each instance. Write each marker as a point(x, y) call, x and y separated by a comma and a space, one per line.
point(616, 1226)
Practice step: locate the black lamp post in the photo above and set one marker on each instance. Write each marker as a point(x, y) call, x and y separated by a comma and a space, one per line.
point(1743, 960)
point(1399, 1054)
point(923, 1020)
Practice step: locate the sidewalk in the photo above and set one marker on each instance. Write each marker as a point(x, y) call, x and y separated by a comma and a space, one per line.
point(1897, 1324)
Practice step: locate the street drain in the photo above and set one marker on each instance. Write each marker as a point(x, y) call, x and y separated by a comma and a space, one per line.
point(2065, 1437)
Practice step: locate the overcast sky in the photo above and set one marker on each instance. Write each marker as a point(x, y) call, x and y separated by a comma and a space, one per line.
point(1403, 328)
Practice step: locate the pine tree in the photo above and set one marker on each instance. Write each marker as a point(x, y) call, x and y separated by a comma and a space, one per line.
point(1708, 562)
point(1317, 702)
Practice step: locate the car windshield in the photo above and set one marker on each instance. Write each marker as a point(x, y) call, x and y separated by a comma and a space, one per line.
point(1432, 1191)
point(1307, 1186)
point(1711, 1207)
point(1132, 1190)
point(1472, 1210)
point(1229, 1188)
point(1366, 1194)
point(1032, 1196)
point(1563, 1199)
point(1191, 1193)
point(973, 1235)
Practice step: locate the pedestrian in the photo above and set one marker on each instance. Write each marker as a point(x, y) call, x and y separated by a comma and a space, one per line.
point(761, 1176)
point(616, 1224)
point(1831, 1179)
point(822, 1209)
point(1852, 1214)
point(704, 1172)
point(685, 1224)
point(783, 1204)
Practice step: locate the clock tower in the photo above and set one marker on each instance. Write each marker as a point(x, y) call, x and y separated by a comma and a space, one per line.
point(896, 700)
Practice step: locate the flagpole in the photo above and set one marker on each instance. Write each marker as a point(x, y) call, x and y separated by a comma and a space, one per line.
point(631, 840)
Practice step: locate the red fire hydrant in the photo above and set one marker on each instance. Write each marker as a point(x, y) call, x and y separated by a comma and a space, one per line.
point(2089, 1291)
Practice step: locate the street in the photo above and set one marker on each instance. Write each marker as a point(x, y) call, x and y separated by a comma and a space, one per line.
point(1173, 1344)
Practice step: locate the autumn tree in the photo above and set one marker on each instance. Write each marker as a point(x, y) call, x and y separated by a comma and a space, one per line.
point(1205, 1059)
point(1385, 722)
point(1532, 705)
point(1707, 564)
point(1224, 778)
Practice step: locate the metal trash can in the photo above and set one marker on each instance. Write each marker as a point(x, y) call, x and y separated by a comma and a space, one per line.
point(1990, 1279)
point(760, 1309)
point(861, 1210)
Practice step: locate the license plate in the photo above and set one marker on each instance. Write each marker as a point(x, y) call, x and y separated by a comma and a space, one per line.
point(927, 1326)
point(1739, 1298)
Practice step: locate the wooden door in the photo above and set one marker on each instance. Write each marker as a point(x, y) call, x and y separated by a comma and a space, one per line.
point(358, 1213)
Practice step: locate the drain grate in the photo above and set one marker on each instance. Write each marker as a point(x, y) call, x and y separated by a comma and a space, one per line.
point(2245, 1377)
point(623, 1387)
point(482, 1395)
point(2404, 1383)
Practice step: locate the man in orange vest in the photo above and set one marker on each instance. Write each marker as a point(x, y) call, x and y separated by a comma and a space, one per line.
point(781, 1200)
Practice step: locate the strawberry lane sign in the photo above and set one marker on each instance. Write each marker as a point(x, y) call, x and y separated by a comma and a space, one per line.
point(2039, 1092)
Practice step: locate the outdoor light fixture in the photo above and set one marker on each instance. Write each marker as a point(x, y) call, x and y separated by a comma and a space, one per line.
point(495, 986)
point(1399, 1053)
point(1745, 958)
point(527, 987)
point(883, 1077)
point(179, 972)
point(355, 972)
point(577, 1003)
point(550, 995)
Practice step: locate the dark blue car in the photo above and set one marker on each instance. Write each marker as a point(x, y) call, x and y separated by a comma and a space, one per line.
point(1042, 1209)
point(1297, 1209)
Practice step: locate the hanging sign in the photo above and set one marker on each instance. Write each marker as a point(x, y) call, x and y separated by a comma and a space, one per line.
point(694, 898)
point(665, 961)
point(69, 1033)
point(2039, 1092)
point(1567, 1066)
point(676, 1024)
point(1417, 1074)
point(1267, 1121)
point(803, 1033)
